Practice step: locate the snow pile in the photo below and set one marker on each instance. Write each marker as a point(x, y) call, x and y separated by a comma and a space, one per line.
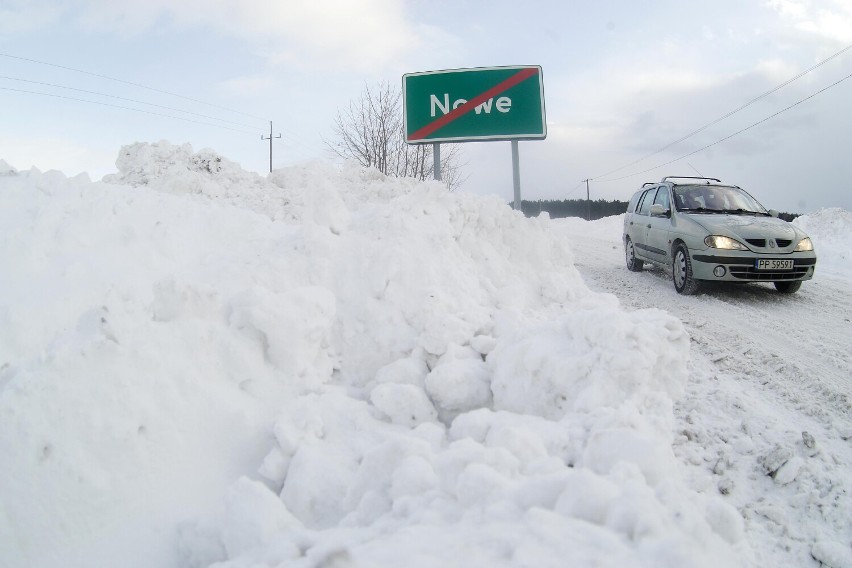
point(325, 367)
point(829, 230)
point(178, 170)
point(6, 169)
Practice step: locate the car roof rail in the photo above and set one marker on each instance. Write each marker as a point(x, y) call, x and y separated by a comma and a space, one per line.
point(690, 177)
point(649, 183)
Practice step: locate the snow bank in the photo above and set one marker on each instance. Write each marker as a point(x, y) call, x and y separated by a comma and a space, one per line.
point(829, 230)
point(325, 367)
point(6, 169)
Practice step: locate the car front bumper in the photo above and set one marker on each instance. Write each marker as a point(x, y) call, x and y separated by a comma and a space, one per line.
point(740, 266)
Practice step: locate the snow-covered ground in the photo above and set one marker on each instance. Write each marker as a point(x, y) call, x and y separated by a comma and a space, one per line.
point(766, 419)
point(201, 366)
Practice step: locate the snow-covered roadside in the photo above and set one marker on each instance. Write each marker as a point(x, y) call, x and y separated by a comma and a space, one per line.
point(766, 419)
point(200, 366)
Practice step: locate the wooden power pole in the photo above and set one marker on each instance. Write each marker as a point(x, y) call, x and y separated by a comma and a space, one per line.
point(262, 137)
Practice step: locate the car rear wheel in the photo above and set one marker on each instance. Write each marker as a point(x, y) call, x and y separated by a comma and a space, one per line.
point(682, 277)
point(633, 264)
point(788, 287)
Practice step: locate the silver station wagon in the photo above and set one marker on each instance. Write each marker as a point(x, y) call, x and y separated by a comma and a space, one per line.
point(704, 230)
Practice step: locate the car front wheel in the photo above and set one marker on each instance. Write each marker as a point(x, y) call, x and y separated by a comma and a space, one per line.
point(788, 287)
point(633, 264)
point(684, 282)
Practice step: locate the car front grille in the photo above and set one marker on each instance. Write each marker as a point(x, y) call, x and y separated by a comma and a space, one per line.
point(761, 243)
point(750, 273)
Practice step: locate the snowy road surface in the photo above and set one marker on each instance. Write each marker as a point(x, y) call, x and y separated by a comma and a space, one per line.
point(796, 345)
point(765, 369)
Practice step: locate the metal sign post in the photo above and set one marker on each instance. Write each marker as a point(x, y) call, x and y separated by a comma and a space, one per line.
point(516, 176)
point(436, 160)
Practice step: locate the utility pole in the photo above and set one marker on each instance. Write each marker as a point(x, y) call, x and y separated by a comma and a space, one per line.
point(262, 137)
point(588, 202)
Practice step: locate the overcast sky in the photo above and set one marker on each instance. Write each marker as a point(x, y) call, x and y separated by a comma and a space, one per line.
point(622, 79)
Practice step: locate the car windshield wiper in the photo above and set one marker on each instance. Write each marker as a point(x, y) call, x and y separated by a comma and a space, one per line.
point(742, 211)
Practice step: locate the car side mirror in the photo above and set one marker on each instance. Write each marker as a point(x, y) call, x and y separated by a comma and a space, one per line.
point(658, 210)
point(773, 213)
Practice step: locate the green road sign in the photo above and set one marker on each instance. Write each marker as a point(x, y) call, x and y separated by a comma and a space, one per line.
point(487, 103)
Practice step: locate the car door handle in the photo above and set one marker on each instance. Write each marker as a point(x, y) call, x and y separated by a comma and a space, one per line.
point(649, 225)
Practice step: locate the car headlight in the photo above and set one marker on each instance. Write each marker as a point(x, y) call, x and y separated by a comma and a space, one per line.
point(805, 244)
point(720, 242)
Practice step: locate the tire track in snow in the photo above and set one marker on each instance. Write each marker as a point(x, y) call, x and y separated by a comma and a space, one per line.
point(795, 346)
point(765, 419)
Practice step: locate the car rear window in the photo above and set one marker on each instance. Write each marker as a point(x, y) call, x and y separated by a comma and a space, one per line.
point(631, 207)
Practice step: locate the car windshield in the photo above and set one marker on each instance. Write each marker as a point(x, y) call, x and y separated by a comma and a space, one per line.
point(716, 199)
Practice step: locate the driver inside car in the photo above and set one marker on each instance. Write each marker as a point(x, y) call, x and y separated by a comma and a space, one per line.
point(713, 201)
point(691, 201)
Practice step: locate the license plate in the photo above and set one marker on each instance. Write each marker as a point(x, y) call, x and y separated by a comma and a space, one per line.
point(773, 264)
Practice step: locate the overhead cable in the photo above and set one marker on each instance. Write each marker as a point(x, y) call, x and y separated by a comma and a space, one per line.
point(125, 108)
point(128, 83)
point(125, 99)
point(729, 114)
point(731, 135)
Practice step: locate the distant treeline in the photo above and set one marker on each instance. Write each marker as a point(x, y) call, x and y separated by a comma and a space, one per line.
point(592, 210)
point(598, 208)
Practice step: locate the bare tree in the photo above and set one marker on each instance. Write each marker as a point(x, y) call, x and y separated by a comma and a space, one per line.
point(371, 131)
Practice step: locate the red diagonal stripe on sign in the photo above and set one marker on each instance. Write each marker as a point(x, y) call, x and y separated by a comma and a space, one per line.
point(518, 77)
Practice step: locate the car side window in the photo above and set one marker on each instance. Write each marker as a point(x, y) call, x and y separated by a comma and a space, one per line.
point(647, 200)
point(662, 197)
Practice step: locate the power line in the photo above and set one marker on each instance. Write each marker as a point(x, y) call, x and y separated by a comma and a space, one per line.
point(575, 188)
point(302, 141)
point(285, 139)
point(125, 99)
point(732, 135)
point(128, 83)
point(124, 108)
point(729, 114)
point(294, 146)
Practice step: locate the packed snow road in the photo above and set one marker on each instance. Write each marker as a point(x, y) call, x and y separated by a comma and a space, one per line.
point(795, 345)
point(766, 419)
